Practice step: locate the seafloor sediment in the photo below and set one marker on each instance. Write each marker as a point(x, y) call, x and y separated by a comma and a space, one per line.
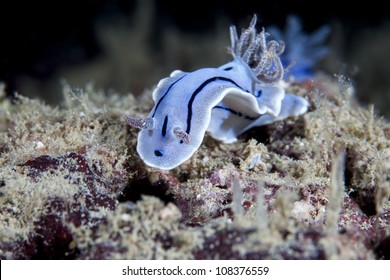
point(313, 187)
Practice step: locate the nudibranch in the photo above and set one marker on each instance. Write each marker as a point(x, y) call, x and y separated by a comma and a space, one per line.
point(224, 101)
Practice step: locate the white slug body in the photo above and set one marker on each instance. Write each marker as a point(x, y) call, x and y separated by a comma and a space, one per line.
point(224, 101)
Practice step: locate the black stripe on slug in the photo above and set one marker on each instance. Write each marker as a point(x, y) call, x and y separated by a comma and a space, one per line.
point(164, 127)
point(165, 94)
point(199, 89)
point(236, 113)
point(258, 93)
point(227, 109)
point(227, 68)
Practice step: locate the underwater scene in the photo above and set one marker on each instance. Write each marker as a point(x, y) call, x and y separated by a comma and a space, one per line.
point(140, 131)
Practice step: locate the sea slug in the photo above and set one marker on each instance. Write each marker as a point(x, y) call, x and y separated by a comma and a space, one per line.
point(225, 101)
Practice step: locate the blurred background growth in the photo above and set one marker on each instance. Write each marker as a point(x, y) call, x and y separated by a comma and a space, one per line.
point(128, 46)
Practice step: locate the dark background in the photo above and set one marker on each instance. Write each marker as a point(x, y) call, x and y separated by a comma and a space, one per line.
point(41, 39)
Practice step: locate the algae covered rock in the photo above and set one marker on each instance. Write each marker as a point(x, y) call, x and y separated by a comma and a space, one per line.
point(310, 187)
